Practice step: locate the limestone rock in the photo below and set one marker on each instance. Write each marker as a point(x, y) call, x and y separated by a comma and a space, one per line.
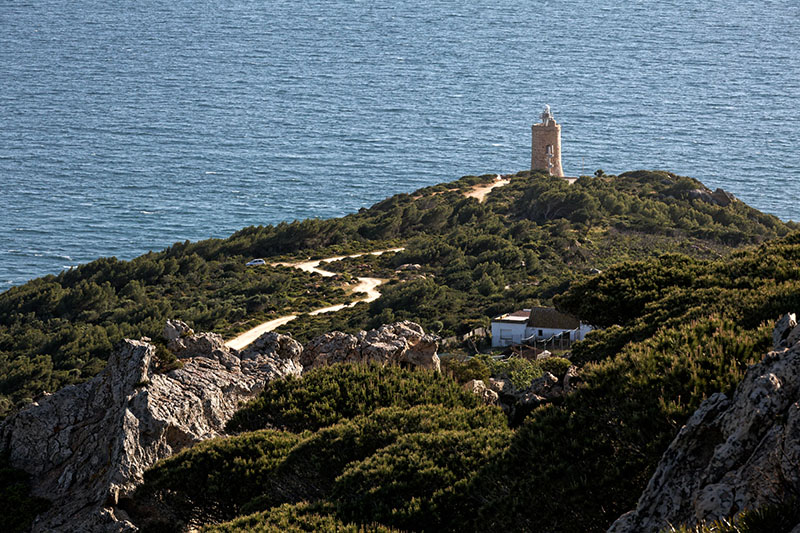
point(719, 197)
point(478, 387)
point(175, 329)
point(572, 379)
point(402, 343)
point(282, 347)
point(530, 399)
point(783, 328)
point(87, 446)
point(732, 454)
point(333, 347)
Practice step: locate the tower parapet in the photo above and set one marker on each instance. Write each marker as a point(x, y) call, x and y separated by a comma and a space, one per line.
point(546, 145)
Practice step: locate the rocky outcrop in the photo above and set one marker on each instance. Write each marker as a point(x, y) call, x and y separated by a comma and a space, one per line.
point(541, 389)
point(333, 347)
point(283, 347)
point(719, 197)
point(402, 343)
point(478, 388)
point(734, 453)
point(88, 445)
point(572, 379)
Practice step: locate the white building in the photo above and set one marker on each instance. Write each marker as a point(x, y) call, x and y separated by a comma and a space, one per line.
point(538, 323)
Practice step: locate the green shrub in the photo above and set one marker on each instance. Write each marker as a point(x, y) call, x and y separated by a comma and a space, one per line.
point(212, 480)
point(557, 366)
point(299, 518)
point(326, 395)
point(222, 478)
point(465, 370)
point(395, 485)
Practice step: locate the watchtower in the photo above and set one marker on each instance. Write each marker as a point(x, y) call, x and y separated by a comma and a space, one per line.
point(546, 145)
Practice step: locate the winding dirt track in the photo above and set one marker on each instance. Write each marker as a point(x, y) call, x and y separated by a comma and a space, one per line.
point(366, 286)
point(480, 192)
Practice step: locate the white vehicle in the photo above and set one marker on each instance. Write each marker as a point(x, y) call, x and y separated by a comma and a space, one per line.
point(256, 262)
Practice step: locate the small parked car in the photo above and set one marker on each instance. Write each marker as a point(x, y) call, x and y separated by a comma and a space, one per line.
point(256, 262)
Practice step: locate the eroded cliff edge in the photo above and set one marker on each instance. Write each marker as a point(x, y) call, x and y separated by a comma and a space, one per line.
point(734, 454)
point(87, 446)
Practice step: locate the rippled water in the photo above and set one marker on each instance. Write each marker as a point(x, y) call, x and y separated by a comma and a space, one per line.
point(126, 126)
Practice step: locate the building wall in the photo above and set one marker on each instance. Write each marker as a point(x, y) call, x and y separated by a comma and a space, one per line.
point(574, 334)
point(543, 136)
point(505, 334)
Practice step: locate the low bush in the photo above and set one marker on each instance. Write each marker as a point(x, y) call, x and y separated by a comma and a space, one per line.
point(328, 394)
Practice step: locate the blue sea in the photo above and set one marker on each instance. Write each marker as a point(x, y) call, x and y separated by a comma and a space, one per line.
point(127, 126)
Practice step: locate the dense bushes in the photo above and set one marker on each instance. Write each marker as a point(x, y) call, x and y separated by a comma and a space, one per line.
point(516, 369)
point(215, 479)
point(222, 478)
point(592, 456)
point(325, 395)
point(396, 485)
point(301, 518)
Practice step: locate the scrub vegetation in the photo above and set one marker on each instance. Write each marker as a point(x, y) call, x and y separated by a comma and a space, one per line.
point(687, 296)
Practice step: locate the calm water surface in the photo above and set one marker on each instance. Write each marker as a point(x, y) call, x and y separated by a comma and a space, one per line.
point(126, 126)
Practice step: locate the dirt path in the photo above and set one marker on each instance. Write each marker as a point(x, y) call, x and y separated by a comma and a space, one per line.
point(481, 191)
point(366, 286)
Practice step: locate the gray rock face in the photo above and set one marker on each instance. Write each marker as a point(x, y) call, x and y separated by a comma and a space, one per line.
point(283, 347)
point(175, 329)
point(734, 453)
point(333, 347)
point(88, 445)
point(402, 343)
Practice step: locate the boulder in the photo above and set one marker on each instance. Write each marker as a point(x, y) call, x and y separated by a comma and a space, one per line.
point(572, 379)
point(530, 399)
point(282, 347)
point(783, 328)
point(333, 347)
point(175, 329)
point(478, 387)
point(733, 453)
point(87, 446)
point(501, 386)
point(403, 343)
point(718, 197)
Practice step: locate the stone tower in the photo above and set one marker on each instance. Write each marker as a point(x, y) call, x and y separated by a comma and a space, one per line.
point(546, 145)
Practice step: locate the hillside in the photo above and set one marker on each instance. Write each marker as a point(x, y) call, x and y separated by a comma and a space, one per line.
point(687, 298)
point(521, 246)
point(315, 457)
